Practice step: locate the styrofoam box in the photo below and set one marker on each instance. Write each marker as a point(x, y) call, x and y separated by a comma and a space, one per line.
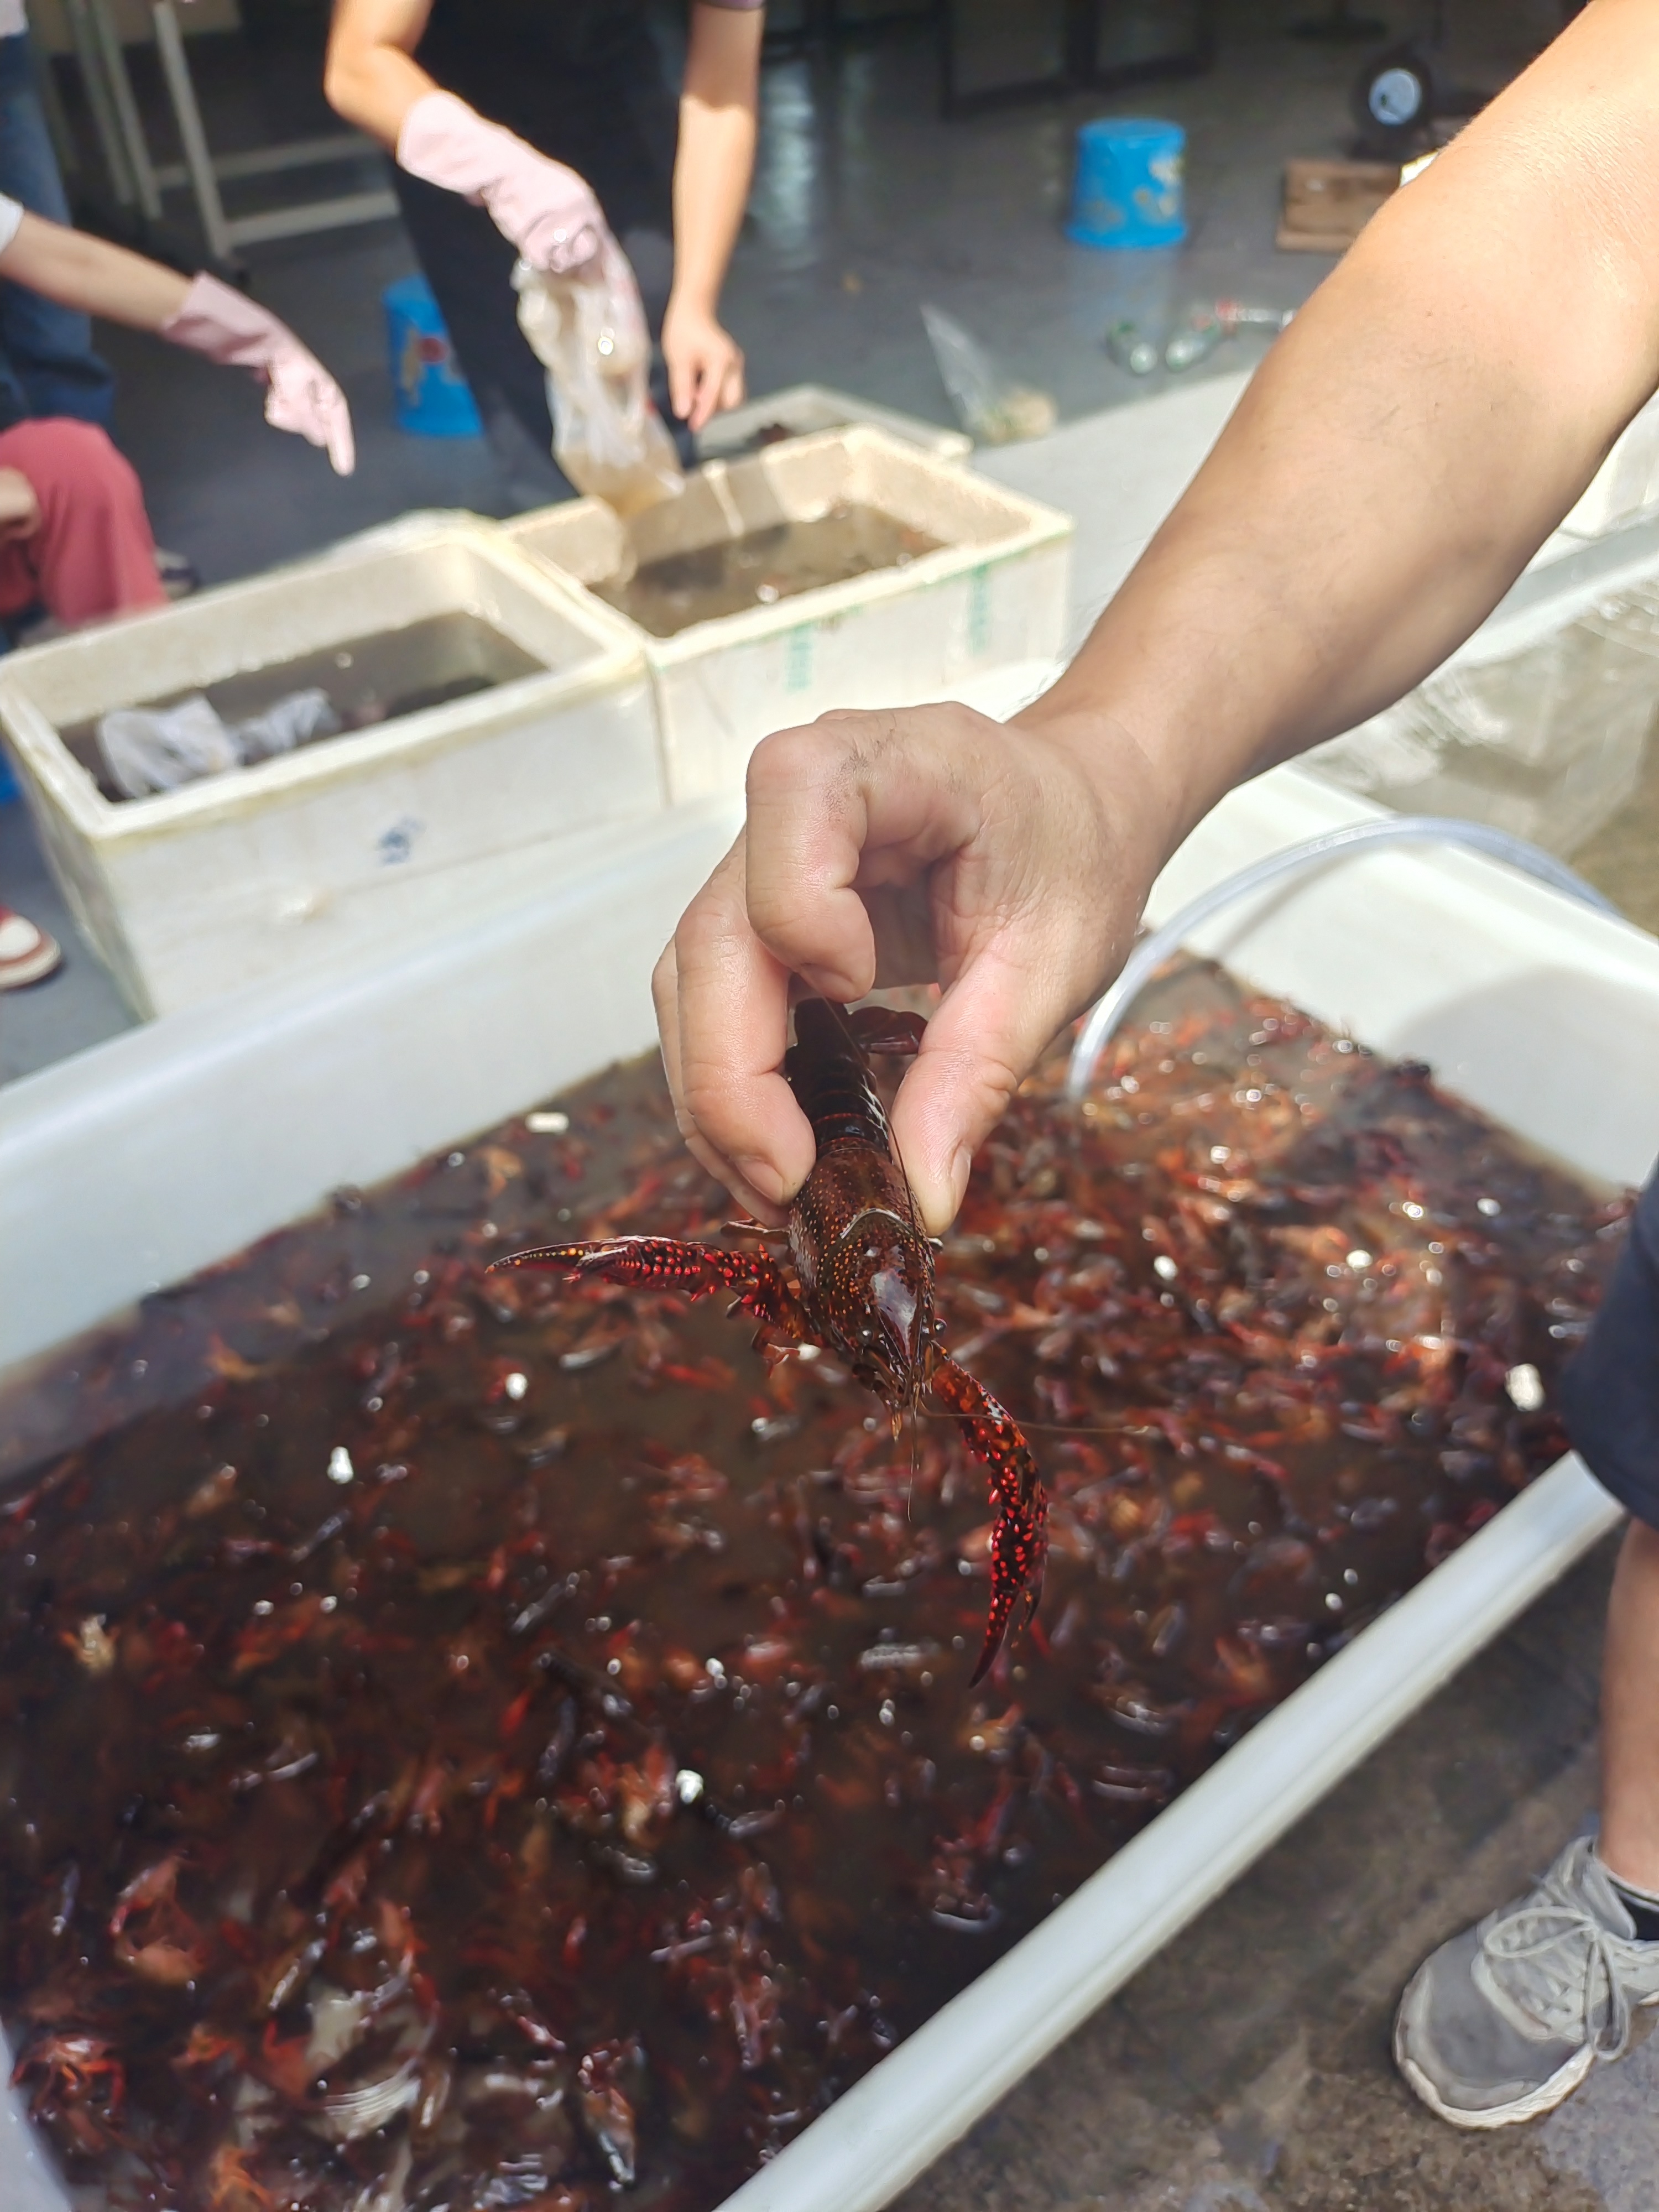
point(995, 592)
point(1541, 722)
point(343, 843)
point(801, 409)
point(162, 1151)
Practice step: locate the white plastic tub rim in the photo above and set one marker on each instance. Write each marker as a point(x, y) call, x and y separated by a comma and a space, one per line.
point(800, 479)
point(385, 579)
point(165, 1149)
point(801, 409)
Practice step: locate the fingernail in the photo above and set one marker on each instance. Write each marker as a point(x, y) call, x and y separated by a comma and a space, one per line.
point(761, 1175)
point(961, 1166)
point(940, 1202)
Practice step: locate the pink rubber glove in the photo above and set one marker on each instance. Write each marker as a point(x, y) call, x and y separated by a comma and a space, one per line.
point(301, 395)
point(545, 209)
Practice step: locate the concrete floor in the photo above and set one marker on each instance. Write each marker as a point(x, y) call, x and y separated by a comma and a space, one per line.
point(1247, 2068)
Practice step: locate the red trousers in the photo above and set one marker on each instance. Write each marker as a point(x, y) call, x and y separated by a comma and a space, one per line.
point(92, 554)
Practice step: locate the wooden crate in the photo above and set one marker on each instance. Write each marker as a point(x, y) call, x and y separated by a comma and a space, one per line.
point(1327, 204)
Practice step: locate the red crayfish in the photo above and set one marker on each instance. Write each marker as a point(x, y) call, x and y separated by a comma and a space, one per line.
point(864, 1280)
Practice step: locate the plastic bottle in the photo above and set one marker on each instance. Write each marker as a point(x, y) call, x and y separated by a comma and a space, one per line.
point(1130, 348)
point(1206, 327)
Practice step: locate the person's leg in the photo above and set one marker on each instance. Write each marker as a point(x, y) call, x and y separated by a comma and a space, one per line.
point(92, 554)
point(1629, 1844)
point(1506, 2020)
point(28, 954)
point(48, 349)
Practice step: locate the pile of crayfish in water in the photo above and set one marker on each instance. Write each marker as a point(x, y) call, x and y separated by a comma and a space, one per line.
point(478, 1736)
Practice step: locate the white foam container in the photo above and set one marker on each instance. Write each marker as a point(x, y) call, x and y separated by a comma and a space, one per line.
point(165, 1149)
point(996, 592)
point(1542, 721)
point(345, 844)
point(801, 409)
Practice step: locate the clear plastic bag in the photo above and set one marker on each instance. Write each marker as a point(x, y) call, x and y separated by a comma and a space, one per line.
point(151, 749)
point(589, 333)
point(289, 721)
point(992, 407)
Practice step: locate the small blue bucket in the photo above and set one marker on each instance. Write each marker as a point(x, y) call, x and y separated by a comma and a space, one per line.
point(430, 394)
point(1128, 191)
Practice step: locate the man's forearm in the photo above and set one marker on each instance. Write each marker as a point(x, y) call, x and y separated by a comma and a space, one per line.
point(1407, 444)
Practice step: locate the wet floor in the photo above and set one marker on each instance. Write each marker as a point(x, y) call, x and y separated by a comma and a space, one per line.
point(1247, 2070)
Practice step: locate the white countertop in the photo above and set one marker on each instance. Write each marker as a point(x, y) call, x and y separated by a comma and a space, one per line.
point(1119, 473)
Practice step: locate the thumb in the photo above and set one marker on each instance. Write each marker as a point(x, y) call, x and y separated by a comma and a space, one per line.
point(682, 385)
point(989, 1031)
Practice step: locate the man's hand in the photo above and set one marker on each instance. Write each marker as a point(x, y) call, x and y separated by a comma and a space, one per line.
point(20, 510)
point(705, 363)
point(885, 848)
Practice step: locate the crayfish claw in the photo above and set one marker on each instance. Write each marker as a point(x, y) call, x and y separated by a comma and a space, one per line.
point(1019, 1539)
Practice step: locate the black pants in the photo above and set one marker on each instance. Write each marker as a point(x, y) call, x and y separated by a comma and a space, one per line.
point(1610, 1391)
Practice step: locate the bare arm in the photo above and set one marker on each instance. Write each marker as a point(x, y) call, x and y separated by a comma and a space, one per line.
point(712, 175)
point(92, 275)
point(1410, 441)
point(1435, 410)
point(369, 76)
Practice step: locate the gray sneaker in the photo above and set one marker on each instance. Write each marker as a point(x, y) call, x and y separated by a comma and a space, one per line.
point(1506, 2020)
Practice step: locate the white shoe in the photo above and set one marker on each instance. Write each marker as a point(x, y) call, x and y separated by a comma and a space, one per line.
point(27, 955)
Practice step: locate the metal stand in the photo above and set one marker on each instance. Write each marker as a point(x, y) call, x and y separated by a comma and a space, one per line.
point(225, 233)
point(138, 183)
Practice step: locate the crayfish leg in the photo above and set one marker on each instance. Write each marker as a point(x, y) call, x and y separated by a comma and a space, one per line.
point(1019, 1541)
point(668, 1263)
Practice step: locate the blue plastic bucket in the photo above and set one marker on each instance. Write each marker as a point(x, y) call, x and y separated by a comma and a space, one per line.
point(1128, 191)
point(430, 394)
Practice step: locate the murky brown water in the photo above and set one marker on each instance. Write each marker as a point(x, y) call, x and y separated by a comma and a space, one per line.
point(669, 595)
point(368, 680)
point(465, 1743)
